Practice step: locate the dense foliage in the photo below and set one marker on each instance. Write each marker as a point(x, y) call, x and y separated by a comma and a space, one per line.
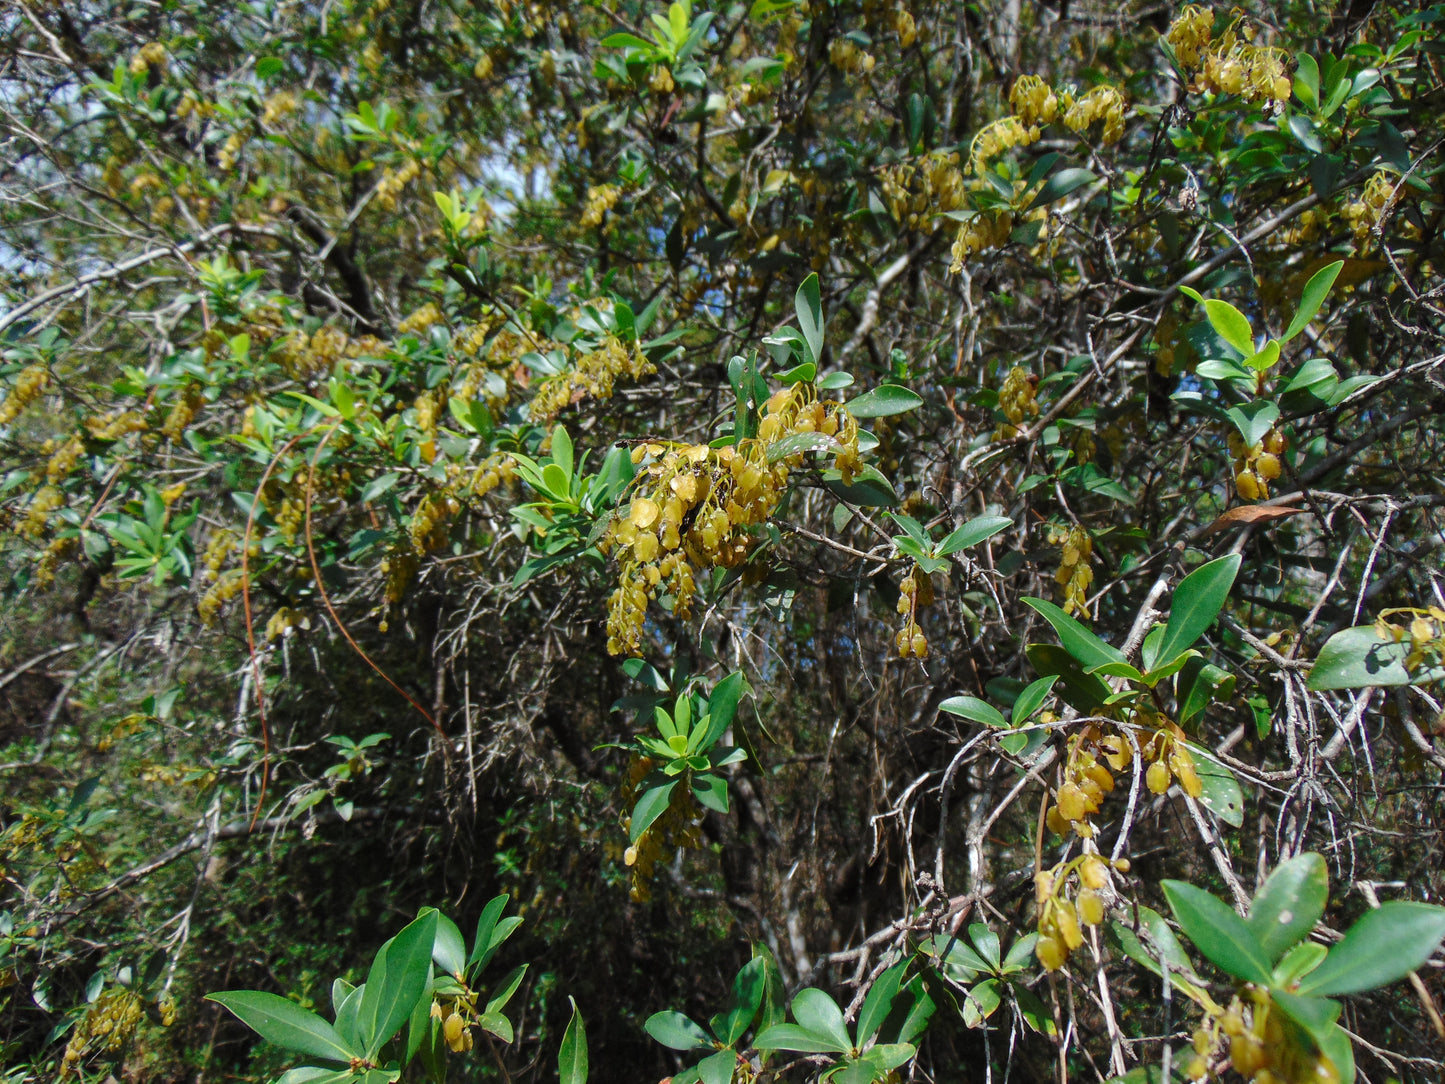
point(859, 523)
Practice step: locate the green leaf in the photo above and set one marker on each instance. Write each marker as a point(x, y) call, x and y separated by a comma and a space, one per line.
point(710, 790)
point(1198, 685)
point(1385, 945)
point(1217, 932)
point(1060, 185)
point(1316, 1015)
point(400, 974)
point(972, 533)
point(562, 453)
point(1034, 694)
point(956, 959)
point(971, 707)
point(1265, 359)
point(1083, 691)
point(1078, 641)
point(747, 996)
point(649, 807)
point(572, 1057)
point(819, 1014)
point(869, 488)
point(981, 1001)
point(1221, 794)
point(506, 988)
point(1312, 298)
point(497, 1024)
point(1307, 82)
point(1253, 420)
point(986, 941)
point(809, 304)
point(1289, 903)
point(879, 1001)
point(773, 1009)
point(797, 1039)
point(486, 925)
point(1360, 657)
point(674, 1030)
point(1163, 947)
point(717, 1068)
point(1197, 602)
point(884, 401)
point(450, 950)
point(287, 1024)
point(1231, 325)
point(1297, 963)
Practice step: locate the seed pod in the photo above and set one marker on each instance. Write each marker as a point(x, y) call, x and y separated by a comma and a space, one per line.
point(452, 1031)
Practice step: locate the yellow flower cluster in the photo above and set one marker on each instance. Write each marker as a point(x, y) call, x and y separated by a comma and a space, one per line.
point(694, 506)
point(1169, 761)
point(600, 199)
point(47, 499)
point(846, 56)
point(226, 587)
point(393, 181)
point(1075, 574)
point(985, 230)
point(904, 23)
point(148, 56)
point(915, 592)
point(1261, 1048)
point(594, 374)
point(916, 191)
point(183, 411)
point(678, 827)
point(1033, 101)
point(1002, 135)
point(63, 458)
point(30, 384)
point(661, 81)
point(1255, 467)
point(278, 107)
point(428, 527)
point(1426, 634)
point(418, 322)
point(1018, 399)
point(1227, 64)
point(309, 358)
point(1060, 917)
point(1104, 104)
point(1087, 779)
point(116, 424)
point(107, 1025)
point(1364, 214)
point(1190, 36)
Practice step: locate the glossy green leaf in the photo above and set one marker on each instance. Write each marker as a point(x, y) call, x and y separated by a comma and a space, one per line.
point(711, 791)
point(1289, 903)
point(972, 533)
point(971, 707)
point(884, 401)
point(878, 1002)
point(649, 807)
point(1083, 691)
point(748, 989)
point(809, 305)
point(287, 1024)
point(1199, 684)
point(1078, 641)
point(799, 443)
point(1253, 419)
point(717, 1068)
point(450, 949)
point(1359, 657)
point(1297, 963)
point(1316, 1015)
point(980, 1002)
point(572, 1065)
point(1382, 947)
point(818, 1013)
point(1060, 185)
point(1197, 602)
point(1221, 795)
point(1031, 699)
point(1219, 933)
point(399, 976)
point(722, 706)
point(1231, 325)
point(674, 1030)
point(1312, 298)
point(798, 1039)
